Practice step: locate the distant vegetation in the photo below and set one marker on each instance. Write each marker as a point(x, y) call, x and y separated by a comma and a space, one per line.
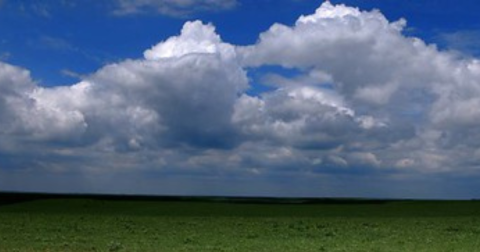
point(80, 223)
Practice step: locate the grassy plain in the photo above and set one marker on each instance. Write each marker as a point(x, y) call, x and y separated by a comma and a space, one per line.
point(76, 224)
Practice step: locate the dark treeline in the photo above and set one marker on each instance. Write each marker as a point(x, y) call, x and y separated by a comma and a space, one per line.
point(17, 197)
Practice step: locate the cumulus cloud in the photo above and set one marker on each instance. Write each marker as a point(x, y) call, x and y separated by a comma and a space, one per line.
point(365, 99)
point(189, 92)
point(172, 7)
point(305, 117)
point(177, 95)
point(377, 70)
point(23, 114)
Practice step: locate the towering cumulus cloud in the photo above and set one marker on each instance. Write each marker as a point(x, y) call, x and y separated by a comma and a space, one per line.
point(410, 88)
point(364, 100)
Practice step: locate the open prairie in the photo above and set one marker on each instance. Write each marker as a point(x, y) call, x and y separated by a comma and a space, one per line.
point(223, 224)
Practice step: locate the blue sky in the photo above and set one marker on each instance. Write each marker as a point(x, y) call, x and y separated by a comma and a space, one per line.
point(276, 98)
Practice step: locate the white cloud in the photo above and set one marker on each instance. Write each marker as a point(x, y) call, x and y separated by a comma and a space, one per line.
point(196, 38)
point(374, 68)
point(190, 92)
point(22, 113)
point(173, 96)
point(353, 47)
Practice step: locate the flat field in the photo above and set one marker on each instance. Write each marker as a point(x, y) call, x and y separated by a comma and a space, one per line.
point(91, 224)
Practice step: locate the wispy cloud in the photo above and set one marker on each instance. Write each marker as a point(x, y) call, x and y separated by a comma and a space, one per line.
point(176, 8)
point(40, 8)
point(63, 45)
point(5, 56)
point(56, 43)
point(72, 74)
point(467, 42)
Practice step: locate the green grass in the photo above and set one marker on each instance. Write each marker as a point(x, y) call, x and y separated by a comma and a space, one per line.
point(99, 225)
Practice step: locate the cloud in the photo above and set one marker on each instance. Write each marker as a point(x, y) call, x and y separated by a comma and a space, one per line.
point(365, 101)
point(41, 9)
point(176, 8)
point(463, 41)
point(303, 117)
point(5, 56)
point(176, 95)
point(55, 43)
point(381, 73)
point(190, 93)
point(71, 74)
point(25, 116)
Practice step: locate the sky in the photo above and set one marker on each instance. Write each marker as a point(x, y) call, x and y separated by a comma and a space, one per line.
point(284, 98)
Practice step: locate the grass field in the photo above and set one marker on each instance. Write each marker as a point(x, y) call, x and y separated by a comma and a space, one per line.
point(115, 225)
